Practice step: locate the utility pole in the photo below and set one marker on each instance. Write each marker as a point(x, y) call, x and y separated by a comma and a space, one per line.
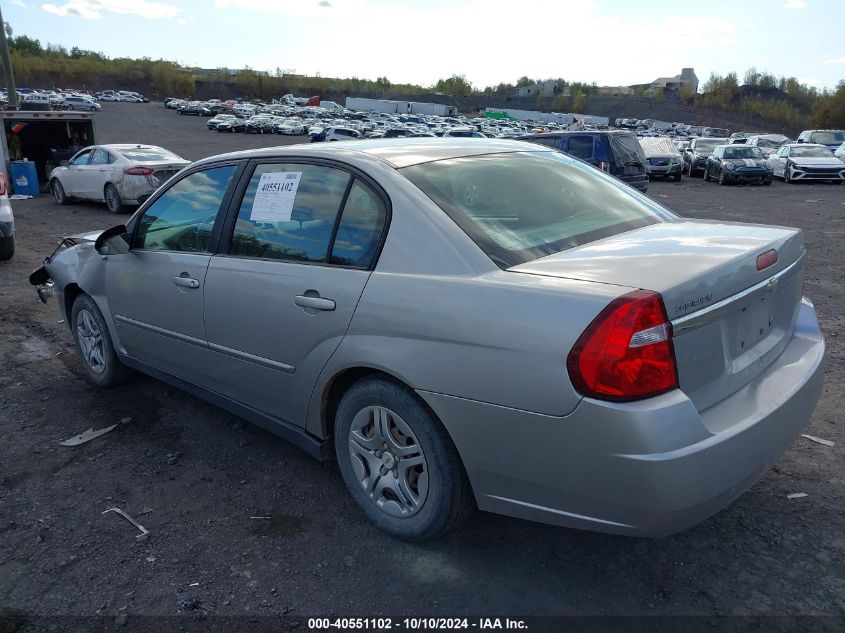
point(7, 63)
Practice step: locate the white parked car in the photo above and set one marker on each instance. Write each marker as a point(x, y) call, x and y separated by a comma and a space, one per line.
point(806, 161)
point(840, 153)
point(118, 175)
point(336, 133)
point(768, 143)
point(82, 103)
point(291, 127)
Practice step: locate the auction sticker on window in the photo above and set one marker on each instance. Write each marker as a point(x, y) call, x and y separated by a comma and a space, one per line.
point(275, 196)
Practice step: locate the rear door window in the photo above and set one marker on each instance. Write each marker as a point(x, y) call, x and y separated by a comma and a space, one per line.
point(581, 147)
point(292, 218)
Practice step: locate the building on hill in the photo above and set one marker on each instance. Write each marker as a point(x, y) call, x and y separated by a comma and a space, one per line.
point(673, 84)
point(548, 89)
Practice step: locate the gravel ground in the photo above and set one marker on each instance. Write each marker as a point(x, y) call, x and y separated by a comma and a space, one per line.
point(195, 476)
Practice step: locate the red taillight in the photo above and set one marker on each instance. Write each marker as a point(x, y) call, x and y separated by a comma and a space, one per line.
point(138, 170)
point(2, 184)
point(769, 258)
point(626, 353)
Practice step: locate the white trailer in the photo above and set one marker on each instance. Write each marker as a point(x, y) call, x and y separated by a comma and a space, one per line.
point(398, 107)
point(592, 119)
point(371, 105)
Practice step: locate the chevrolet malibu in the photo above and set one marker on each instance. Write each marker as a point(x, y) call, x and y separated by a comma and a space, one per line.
point(461, 323)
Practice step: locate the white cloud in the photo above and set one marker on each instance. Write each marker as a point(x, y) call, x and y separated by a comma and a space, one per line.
point(94, 9)
point(835, 60)
point(20, 3)
point(796, 4)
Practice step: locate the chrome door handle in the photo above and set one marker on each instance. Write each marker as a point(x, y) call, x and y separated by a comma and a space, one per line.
point(317, 303)
point(186, 282)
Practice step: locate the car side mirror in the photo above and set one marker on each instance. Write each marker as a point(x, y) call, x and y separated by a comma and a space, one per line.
point(113, 241)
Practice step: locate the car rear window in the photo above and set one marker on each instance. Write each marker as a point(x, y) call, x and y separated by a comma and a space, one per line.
point(148, 154)
point(521, 206)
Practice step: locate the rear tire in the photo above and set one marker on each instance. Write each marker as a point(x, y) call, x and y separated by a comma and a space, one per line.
point(7, 247)
point(58, 191)
point(112, 198)
point(399, 463)
point(91, 335)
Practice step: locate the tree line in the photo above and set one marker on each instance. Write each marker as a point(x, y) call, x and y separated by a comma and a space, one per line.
point(37, 65)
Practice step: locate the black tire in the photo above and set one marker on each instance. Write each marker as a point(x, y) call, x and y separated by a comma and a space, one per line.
point(690, 171)
point(767, 183)
point(723, 179)
point(705, 175)
point(677, 177)
point(786, 177)
point(93, 109)
point(448, 500)
point(111, 372)
point(7, 247)
point(111, 195)
point(58, 191)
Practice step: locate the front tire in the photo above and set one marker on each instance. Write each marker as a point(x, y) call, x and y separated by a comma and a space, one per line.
point(677, 177)
point(706, 175)
point(91, 335)
point(723, 179)
point(399, 463)
point(787, 177)
point(112, 197)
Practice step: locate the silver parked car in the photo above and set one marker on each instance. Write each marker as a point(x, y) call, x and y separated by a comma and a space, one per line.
point(461, 322)
point(118, 175)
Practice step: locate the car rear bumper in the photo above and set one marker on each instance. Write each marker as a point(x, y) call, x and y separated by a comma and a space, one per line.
point(647, 468)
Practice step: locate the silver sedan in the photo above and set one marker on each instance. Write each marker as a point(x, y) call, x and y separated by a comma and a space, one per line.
point(461, 323)
point(118, 175)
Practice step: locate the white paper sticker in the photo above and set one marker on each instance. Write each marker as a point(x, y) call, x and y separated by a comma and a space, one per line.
point(275, 196)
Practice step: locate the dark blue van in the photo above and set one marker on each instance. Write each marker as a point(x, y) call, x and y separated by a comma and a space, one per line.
point(618, 152)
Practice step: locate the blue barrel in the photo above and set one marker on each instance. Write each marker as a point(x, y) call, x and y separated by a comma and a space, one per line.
point(24, 178)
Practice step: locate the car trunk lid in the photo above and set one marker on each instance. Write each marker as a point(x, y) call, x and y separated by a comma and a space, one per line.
point(730, 320)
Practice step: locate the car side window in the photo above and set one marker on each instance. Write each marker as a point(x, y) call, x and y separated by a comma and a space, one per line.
point(182, 218)
point(581, 147)
point(81, 158)
point(295, 228)
point(100, 157)
point(360, 228)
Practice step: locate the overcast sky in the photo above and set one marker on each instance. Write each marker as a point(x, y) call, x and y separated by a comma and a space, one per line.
point(611, 42)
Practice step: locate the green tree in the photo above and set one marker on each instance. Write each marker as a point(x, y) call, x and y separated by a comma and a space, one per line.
point(829, 111)
point(579, 102)
point(454, 85)
point(524, 81)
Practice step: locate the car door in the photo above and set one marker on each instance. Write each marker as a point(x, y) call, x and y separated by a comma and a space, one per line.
point(280, 295)
point(94, 176)
point(70, 179)
point(155, 291)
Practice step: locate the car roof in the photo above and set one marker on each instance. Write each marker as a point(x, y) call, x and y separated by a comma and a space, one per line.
point(804, 145)
point(399, 152)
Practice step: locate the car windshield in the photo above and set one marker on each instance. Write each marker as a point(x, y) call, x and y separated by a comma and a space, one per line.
point(148, 154)
point(828, 137)
point(743, 152)
point(810, 152)
point(706, 147)
point(525, 205)
point(767, 142)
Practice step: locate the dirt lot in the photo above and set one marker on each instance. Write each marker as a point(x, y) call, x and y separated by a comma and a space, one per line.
point(194, 476)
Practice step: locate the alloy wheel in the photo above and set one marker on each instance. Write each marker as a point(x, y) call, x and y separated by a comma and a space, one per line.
point(91, 341)
point(388, 461)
